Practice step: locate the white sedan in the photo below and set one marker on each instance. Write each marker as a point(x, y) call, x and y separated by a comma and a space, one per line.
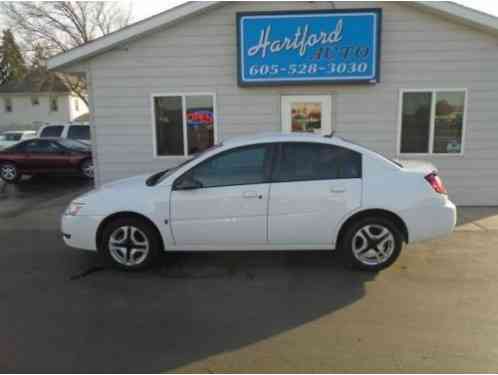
point(13, 137)
point(272, 192)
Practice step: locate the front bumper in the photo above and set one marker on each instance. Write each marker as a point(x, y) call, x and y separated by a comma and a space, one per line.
point(80, 231)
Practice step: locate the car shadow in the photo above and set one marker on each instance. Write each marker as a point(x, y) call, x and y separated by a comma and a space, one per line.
point(195, 305)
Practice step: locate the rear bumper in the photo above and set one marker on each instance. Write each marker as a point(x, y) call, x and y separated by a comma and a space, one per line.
point(80, 231)
point(431, 221)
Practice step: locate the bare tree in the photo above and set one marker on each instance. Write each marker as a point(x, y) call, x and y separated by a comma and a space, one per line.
point(58, 26)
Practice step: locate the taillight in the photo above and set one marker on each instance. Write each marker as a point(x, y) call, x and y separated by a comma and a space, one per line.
point(436, 183)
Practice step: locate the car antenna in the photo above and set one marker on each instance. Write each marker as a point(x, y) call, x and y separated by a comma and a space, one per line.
point(330, 135)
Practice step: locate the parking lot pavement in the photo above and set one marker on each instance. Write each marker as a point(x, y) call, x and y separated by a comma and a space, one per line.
point(33, 202)
point(62, 311)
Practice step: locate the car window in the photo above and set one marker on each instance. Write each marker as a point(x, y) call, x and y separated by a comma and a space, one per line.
point(13, 137)
point(314, 161)
point(79, 132)
point(52, 131)
point(74, 145)
point(241, 166)
point(41, 146)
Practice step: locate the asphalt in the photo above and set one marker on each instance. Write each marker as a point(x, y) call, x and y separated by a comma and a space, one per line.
point(61, 310)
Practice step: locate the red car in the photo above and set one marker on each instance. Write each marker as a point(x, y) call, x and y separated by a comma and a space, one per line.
point(45, 156)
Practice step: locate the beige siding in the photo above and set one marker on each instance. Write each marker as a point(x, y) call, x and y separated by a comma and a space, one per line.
point(419, 50)
point(25, 115)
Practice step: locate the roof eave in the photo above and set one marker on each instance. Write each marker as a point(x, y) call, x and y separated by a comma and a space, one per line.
point(62, 61)
point(468, 16)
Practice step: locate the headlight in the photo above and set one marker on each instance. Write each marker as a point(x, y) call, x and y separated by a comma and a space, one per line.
point(74, 208)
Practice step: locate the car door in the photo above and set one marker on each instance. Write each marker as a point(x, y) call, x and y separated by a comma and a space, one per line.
point(314, 186)
point(223, 201)
point(44, 155)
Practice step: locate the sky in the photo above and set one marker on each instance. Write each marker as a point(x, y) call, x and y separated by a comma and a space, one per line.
point(146, 8)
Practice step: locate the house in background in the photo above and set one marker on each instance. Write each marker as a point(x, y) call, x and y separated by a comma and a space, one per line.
point(41, 97)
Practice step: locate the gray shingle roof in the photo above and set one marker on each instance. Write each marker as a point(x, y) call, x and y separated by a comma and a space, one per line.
point(36, 82)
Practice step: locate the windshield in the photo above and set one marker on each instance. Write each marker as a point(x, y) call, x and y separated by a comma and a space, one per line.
point(74, 145)
point(160, 176)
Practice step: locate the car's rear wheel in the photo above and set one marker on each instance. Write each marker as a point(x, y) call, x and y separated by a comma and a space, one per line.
point(87, 168)
point(9, 172)
point(372, 243)
point(130, 243)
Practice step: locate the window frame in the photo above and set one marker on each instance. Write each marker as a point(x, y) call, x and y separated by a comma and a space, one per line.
point(268, 165)
point(52, 136)
point(183, 96)
point(277, 162)
point(68, 133)
point(55, 108)
point(432, 125)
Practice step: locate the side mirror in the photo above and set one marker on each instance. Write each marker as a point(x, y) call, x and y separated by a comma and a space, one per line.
point(188, 183)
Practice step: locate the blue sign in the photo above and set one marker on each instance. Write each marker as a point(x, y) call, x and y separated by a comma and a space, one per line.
point(333, 46)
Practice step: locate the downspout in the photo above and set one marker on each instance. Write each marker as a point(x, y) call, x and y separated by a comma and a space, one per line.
point(93, 129)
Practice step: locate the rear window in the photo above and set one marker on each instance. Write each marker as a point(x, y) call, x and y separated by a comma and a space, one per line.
point(79, 132)
point(312, 161)
point(52, 131)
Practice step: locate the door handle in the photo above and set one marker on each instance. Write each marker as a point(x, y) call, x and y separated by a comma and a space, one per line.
point(337, 190)
point(251, 194)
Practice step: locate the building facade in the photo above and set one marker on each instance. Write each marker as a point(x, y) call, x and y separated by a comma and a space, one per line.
point(414, 81)
point(38, 99)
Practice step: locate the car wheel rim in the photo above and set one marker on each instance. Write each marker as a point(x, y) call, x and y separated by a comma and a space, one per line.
point(9, 172)
point(373, 244)
point(88, 170)
point(128, 246)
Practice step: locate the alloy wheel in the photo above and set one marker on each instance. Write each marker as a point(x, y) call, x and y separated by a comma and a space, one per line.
point(88, 169)
point(129, 246)
point(9, 172)
point(373, 244)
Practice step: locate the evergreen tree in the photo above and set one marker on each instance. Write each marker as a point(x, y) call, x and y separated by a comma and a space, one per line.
point(12, 65)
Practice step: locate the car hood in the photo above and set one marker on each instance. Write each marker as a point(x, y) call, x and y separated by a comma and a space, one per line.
point(130, 182)
point(111, 191)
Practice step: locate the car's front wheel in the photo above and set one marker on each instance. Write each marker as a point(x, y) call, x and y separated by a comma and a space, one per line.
point(9, 172)
point(130, 243)
point(372, 243)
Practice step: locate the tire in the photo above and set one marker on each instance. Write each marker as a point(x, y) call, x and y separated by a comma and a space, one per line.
point(130, 243)
point(9, 172)
point(87, 168)
point(371, 244)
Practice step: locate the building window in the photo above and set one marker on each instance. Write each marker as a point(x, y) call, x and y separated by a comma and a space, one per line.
point(183, 124)
point(54, 104)
point(7, 102)
point(35, 100)
point(432, 122)
point(77, 105)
